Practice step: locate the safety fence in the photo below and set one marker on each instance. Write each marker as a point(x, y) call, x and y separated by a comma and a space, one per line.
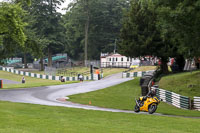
point(50, 77)
point(135, 74)
point(196, 103)
point(173, 98)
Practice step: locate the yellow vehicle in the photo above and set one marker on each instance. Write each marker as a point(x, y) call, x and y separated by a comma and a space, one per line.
point(148, 104)
point(135, 64)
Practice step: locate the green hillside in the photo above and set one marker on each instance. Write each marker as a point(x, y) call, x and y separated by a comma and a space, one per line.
point(187, 83)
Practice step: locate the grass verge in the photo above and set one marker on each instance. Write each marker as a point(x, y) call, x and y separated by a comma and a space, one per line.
point(110, 71)
point(30, 82)
point(144, 68)
point(28, 118)
point(187, 83)
point(122, 97)
point(75, 70)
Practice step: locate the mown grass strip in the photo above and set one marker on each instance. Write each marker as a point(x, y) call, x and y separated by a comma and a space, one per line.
point(28, 118)
point(30, 82)
point(123, 96)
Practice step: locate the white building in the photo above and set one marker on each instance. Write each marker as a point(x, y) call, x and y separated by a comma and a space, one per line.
point(116, 60)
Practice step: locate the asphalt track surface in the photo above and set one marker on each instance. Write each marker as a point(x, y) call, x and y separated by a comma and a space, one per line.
point(49, 95)
point(6, 81)
point(54, 95)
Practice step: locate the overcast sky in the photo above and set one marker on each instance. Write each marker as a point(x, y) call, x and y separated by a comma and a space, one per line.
point(64, 5)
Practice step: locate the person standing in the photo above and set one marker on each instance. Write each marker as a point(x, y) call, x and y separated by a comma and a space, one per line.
point(23, 80)
point(81, 77)
point(98, 74)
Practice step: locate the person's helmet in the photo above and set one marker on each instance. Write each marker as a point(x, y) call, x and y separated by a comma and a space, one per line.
point(153, 91)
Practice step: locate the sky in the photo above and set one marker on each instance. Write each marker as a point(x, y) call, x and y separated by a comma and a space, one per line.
point(64, 5)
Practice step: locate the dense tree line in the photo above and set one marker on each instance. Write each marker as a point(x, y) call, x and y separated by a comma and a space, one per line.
point(88, 28)
point(93, 25)
point(162, 28)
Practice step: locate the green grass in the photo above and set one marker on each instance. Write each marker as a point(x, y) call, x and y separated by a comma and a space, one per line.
point(28, 118)
point(144, 68)
point(110, 71)
point(187, 83)
point(76, 70)
point(122, 97)
point(30, 82)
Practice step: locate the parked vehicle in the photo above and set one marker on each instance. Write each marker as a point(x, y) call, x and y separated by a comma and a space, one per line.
point(135, 64)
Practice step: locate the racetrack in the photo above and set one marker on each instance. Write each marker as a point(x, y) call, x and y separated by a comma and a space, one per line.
point(49, 95)
point(6, 81)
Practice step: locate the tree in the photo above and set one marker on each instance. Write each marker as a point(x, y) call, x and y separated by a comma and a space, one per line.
point(47, 27)
point(12, 28)
point(140, 35)
point(94, 28)
point(180, 19)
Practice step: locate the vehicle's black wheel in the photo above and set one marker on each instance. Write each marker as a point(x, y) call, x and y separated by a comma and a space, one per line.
point(152, 108)
point(137, 108)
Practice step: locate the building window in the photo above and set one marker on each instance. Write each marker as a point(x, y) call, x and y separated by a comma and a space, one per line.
point(109, 59)
point(122, 59)
point(113, 59)
point(127, 59)
point(116, 59)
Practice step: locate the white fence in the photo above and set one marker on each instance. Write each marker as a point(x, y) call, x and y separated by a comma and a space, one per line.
point(196, 103)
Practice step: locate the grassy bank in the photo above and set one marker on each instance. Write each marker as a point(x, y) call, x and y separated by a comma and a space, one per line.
point(144, 68)
point(28, 118)
point(85, 70)
point(187, 83)
point(30, 82)
point(122, 97)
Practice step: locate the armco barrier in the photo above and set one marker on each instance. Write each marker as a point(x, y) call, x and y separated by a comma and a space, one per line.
point(196, 103)
point(173, 98)
point(134, 74)
point(50, 77)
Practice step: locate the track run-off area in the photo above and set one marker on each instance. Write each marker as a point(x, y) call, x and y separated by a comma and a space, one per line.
point(53, 95)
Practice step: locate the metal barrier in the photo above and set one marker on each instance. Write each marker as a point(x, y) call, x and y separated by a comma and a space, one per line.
point(196, 103)
point(173, 98)
point(41, 76)
point(135, 74)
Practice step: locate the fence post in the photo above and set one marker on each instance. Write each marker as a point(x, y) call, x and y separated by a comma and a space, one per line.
point(190, 103)
point(1, 83)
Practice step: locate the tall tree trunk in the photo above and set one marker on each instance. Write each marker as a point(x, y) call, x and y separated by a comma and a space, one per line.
point(25, 61)
point(164, 66)
point(41, 64)
point(49, 58)
point(86, 30)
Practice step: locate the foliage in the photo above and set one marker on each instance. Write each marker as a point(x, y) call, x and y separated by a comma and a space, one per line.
point(180, 19)
point(12, 28)
point(104, 26)
point(141, 37)
point(45, 31)
point(163, 29)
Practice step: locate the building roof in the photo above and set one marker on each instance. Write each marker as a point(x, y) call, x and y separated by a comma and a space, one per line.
point(111, 55)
